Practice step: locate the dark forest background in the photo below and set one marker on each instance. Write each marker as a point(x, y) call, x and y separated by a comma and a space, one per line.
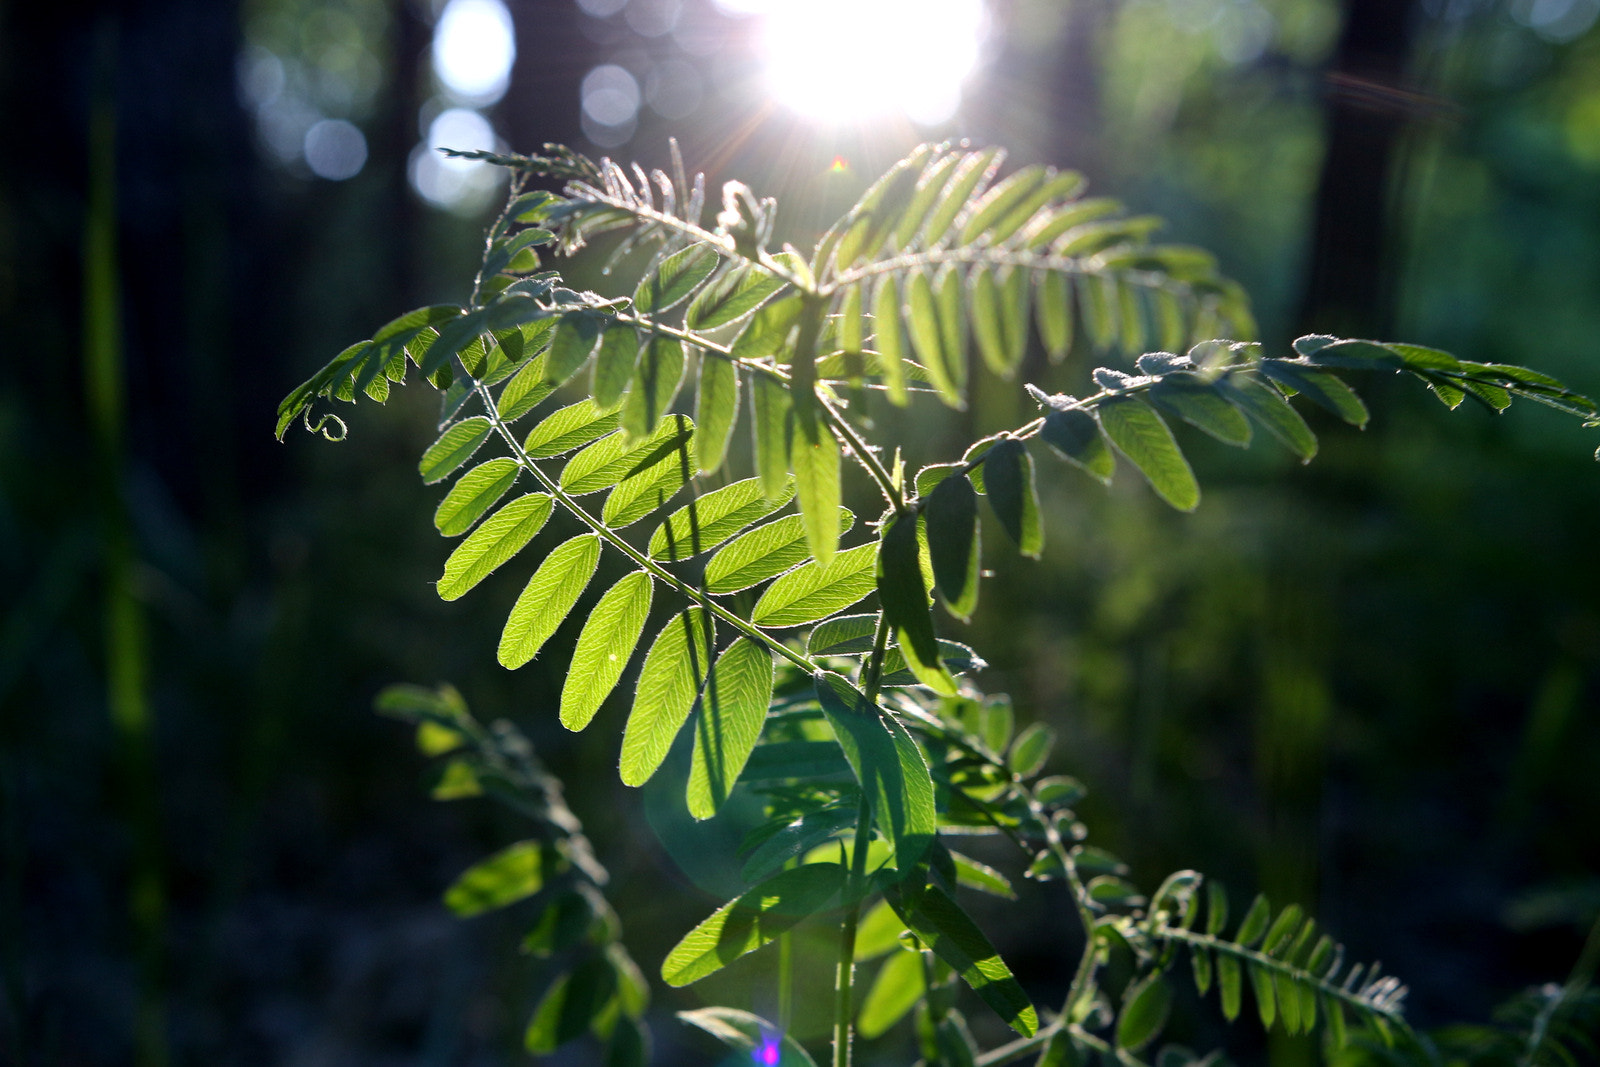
point(1369, 685)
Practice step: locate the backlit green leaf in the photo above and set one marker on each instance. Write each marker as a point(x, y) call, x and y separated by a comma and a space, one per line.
point(524, 391)
point(512, 874)
point(573, 341)
point(763, 553)
point(814, 455)
point(953, 544)
point(1201, 405)
point(769, 329)
point(814, 591)
point(674, 279)
point(1141, 435)
point(1254, 924)
point(731, 297)
point(751, 920)
point(572, 1006)
point(798, 838)
point(656, 379)
point(843, 635)
point(474, 493)
point(1008, 483)
point(547, 598)
point(1054, 313)
point(1030, 750)
point(928, 337)
point(716, 410)
point(707, 521)
point(613, 366)
point(999, 201)
point(890, 338)
point(770, 426)
point(904, 599)
point(982, 877)
point(649, 487)
point(733, 707)
point(1144, 1012)
point(604, 648)
point(1229, 986)
point(453, 448)
point(568, 428)
point(607, 462)
point(1272, 411)
point(1320, 387)
point(973, 172)
point(673, 671)
point(894, 991)
point(500, 537)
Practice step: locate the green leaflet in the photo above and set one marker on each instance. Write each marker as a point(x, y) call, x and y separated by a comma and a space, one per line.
point(769, 329)
point(474, 493)
point(904, 599)
point(707, 521)
point(733, 707)
point(794, 759)
point(814, 455)
point(453, 448)
point(946, 367)
point(547, 598)
point(895, 991)
point(572, 1006)
point(748, 1034)
point(1054, 313)
point(604, 648)
point(673, 671)
point(982, 877)
point(888, 764)
point(501, 536)
point(852, 320)
point(843, 635)
point(1254, 924)
point(974, 171)
point(568, 428)
point(656, 380)
point(763, 553)
point(512, 874)
point(1145, 1005)
point(716, 410)
point(942, 926)
point(952, 298)
point(1323, 389)
point(929, 185)
point(1202, 406)
point(674, 279)
point(613, 366)
point(1141, 435)
point(890, 338)
point(524, 391)
point(651, 485)
point(1272, 411)
point(1229, 986)
point(1008, 483)
point(731, 297)
point(999, 201)
point(751, 920)
point(951, 512)
point(956, 657)
point(1097, 296)
point(1030, 750)
point(575, 337)
point(770, 404)
point(798, 838)
point(815, 590)
point(607, 462)
point(986, 327)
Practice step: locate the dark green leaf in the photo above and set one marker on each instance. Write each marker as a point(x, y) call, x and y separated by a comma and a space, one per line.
point(707, 521)
point(572, 1005)
point(453, 448)
point(941, 925)
point(1255, 922)
point(814, 591)
point(512, 874)
point(1200, 405)
point(1141, 435)
point(568, 428)
point(1229, 986)
point(894, 991)
point(1320, 387)
point(575, 337)
point(576, 916)
point(501, 536)
point(763, 553)
point(1272, 411)
point(716, 409)
point(798, 838)
point(673, 672)
point(733, 707)
point(656, 380)
point(956, 657)
point(547, 598)
point(613, 366)
point(751, 920)
point(953, 544)
point(473, 494)
point(1008, 483)
point(1075, 436)
point(795, 759)
point(604, 648)
point(1059, 791)
point(674, 279)
point(629, 1045)
point(1200, 962)
point(1281, 933)
point(904, 599)
point(1144, 1012)
point(1030, 750)
point(843, 635)
point(1216, 908)
point(1266, 1000)
point(888, 764)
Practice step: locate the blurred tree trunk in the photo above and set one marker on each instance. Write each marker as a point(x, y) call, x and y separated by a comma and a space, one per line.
point(1350, 280)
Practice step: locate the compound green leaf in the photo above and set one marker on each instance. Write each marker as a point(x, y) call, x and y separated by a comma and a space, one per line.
point(649, 487)
point(771, 402)
point(527, 388)
point(733, 707)
point(613, 366)
point(953, 545)
point(886, 761)
point(501, 536)
point(1254, 924)
point(929, 185)
point(707, 521)
point(1266, 999)
point(674, 279)
point(512, 874)
point(731, 297)
point(604, 648)
point(763, 553)
point(752, 920)
point(1008, 483)
point(656, 379)
point(607, 462)
point(574, 339)
point(816, 590)
point(673, 671)
point(904, 600)
point(1268, 408)
point(1200, 405)
point(716, 410)
point(547, 598)
point(453, 448)
point(1141, 435)
point(751, 1035)
point(890, 338)
point(895, 991)
point(1076, 438)
point(474, 493)
point(814, 455)
point(941, 925)
point(999, 201)
point(568, 428)
point(956, 657)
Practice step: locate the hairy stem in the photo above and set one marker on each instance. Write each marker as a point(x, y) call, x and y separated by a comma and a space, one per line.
point(844, 972)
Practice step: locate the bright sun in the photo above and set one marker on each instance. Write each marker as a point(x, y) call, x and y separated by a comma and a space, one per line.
point(839, 61)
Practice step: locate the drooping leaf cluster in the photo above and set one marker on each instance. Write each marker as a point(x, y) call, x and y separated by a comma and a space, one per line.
point(795, 638)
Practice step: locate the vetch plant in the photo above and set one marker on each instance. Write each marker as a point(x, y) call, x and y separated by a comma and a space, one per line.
point(796, 638)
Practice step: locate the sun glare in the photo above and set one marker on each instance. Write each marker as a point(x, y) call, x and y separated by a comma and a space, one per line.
point(839, 61)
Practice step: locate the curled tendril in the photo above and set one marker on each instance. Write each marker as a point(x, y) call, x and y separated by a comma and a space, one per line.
point(338, 433)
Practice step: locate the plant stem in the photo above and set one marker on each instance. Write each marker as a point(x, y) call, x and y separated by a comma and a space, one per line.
point(844, 972)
